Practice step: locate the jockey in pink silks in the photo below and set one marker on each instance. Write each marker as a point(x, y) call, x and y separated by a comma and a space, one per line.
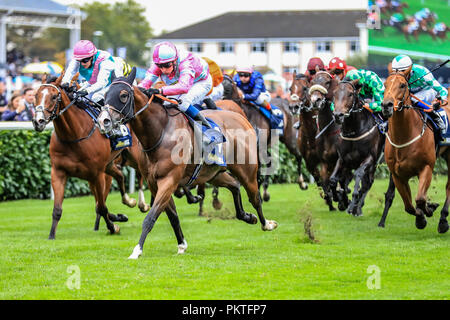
point(186, 77)
point(96, 66)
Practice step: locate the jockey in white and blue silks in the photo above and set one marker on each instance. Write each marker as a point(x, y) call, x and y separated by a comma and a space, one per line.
point(251, 83)
point(186, 77)
point(423, 86)
point(96, 66)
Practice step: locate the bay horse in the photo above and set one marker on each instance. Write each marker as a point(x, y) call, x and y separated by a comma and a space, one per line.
point(361, 146)
point(77, 149)
point(410, 150)
point(261, 123)
point(154, 125)
point(328, 133)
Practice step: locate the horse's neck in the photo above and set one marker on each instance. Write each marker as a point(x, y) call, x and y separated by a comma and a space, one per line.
point(325, 116)
point(405, 123)
point(308, 123)
point(358, 122)
point(150, 124)
point(73, 124)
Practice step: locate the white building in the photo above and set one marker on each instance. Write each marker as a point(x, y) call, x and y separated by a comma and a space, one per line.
point(280, 40)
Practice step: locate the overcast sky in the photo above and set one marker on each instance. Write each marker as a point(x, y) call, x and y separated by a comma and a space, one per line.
point(171, 15)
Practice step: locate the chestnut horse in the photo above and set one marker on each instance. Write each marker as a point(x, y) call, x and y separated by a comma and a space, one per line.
point(410, 150)
point(172, 163)
point(77, 149)
point(361, 146)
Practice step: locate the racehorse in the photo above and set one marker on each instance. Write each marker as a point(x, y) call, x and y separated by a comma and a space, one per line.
point(410, 150)
point(261, 123)
point(154, 125)
point(299, 103)
point(361, 146)
point(77, 149)
point(328, 133)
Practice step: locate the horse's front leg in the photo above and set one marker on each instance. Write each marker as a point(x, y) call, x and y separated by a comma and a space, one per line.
point(423, 207)
point(97, 186)
point(301, 181)
point(388, 199)
point(115, 172)
point(328, 196)
point(165, 188)
point(59, 179)
point(336, 177)
point(358, 190)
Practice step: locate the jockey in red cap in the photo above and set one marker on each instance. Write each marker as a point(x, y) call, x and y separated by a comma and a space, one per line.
point(338, 67)
point(314, 65)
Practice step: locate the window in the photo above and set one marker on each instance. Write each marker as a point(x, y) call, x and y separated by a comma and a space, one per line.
point(323, 46)
point(195, 47)
point(289, 70)
point(354, 46)
point(226, 47)
point(291, 47)
point(259, 47)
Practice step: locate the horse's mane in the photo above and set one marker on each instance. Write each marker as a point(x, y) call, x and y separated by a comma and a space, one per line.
point(300, 76)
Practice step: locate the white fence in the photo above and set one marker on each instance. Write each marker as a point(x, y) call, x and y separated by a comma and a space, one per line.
point(27, 125)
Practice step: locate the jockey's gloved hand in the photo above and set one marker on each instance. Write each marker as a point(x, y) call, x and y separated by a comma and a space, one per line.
point(152, 91)
point(82, 93)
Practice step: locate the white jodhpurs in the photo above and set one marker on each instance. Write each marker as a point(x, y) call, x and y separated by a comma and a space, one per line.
point(264, 96)
point(217, 93)
point(196, 94)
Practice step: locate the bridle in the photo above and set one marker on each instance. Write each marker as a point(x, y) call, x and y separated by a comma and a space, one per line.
point(356, 102)
point(130, 114)
point(54, 112)
point(301, 103)
point(401, 105)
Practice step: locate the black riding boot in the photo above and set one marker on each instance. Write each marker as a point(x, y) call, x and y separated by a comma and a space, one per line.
point(439, 122)
point(200, 117)
point(210, 104)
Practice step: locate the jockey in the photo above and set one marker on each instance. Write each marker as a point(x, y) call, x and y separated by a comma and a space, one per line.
point(372, 88)
point(338, 67)
point(186, 75)
point(252, 85)
point(218, 89)
point(312, 64)
point(96, 66)
point(423, 86)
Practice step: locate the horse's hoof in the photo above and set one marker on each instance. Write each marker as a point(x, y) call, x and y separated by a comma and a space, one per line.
point(443, 226)
point(421, 222)
point(252, 218)
point(182, 247)
point(381, 225)
point(266, 197)
point(342, 207)
point(122, 217)
point(431, 207)
point(217, 204)
point(144, 207)
point(129, 202)
point(303, 186)
point(137, 252)
point(116, 229)
point(179, 193)
point(270, 225)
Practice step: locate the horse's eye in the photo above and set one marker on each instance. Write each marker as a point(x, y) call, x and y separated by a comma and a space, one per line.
point(123, 97)
point(54, 97)
point(403, 86)
point(350, 94)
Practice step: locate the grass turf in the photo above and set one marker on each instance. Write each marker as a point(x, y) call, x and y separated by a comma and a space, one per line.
point(226, 258)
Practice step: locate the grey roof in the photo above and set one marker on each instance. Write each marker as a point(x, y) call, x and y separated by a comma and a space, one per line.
point(274, 24)
point(46, 7)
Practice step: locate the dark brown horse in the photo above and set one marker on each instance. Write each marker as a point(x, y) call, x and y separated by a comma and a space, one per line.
point(361, 146)
point(77, 149)
point(328, 133)
point(261, 124)
point(410, 150)
point(172, 158)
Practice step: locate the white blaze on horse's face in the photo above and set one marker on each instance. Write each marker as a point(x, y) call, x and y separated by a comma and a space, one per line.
point(104, 120)
point(39, 114)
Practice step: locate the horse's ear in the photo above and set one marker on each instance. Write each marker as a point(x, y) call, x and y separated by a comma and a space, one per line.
point(131, 76)
point(44, 78)
point(113, 76)
point(317, 68)
point(294, 75)
point(332, 71)
point(357, 84)
point(390, 67)
point(59, 79)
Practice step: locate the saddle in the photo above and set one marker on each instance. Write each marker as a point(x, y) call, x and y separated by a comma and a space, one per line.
point(276, 118)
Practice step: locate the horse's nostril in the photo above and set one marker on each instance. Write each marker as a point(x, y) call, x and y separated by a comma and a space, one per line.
point(41, 122)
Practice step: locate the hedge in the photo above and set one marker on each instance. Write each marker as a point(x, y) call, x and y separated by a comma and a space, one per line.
point(25, 167)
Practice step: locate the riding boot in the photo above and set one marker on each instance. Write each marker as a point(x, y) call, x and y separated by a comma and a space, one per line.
point(210, 104)
point(439, 122)
point(195, 114)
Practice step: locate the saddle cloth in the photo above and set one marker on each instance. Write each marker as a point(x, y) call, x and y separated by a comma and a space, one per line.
point(275, 118)
point(211, 141)
point(445, 140)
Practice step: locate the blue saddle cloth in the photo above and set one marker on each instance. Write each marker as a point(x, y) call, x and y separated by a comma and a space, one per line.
point(213, 151)
point(443, 140)
point(122, 138)
point(275, 118)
